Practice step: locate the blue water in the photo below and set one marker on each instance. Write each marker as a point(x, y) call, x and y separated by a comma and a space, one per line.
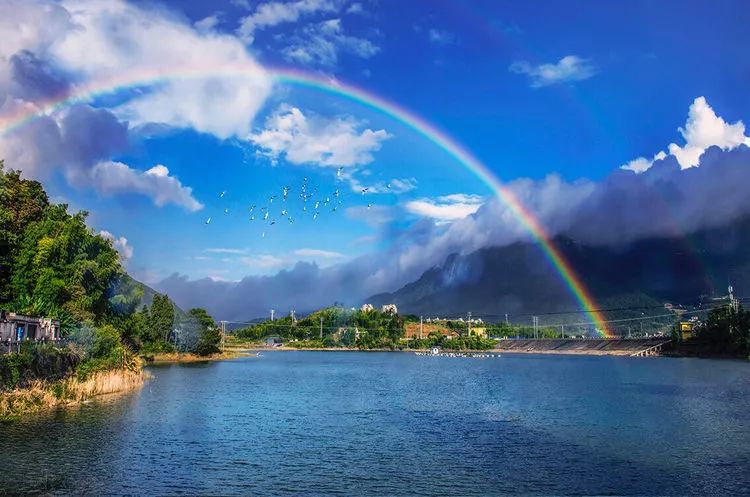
point(324, 423)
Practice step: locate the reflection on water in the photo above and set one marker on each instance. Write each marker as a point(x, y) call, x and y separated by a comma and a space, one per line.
point(391, 423)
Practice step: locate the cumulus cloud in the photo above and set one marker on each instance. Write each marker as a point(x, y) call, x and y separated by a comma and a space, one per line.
point(68, 47)
point(270, 14)
point(703, 129)
point(75, 40)
point(569, 68)
point(446, 207)
point(320, 44)
point(120, 244)
point(156, 183)
point(300, 139)
point(223, 106)
point(72, 140)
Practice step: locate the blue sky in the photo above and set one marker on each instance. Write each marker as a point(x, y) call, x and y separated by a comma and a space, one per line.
point(533, 89)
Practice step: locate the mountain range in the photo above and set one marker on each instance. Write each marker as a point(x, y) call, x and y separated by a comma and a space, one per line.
point(518, 279)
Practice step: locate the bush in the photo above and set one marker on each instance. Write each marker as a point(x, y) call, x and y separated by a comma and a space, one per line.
point(36, 362)
point(157, 348)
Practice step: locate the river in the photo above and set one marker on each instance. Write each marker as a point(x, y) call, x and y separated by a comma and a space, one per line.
point(348, 423)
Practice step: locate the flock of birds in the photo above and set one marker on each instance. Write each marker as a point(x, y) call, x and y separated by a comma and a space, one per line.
point(312, 202)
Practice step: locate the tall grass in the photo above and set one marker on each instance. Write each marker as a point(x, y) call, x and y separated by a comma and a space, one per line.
point(41, 395)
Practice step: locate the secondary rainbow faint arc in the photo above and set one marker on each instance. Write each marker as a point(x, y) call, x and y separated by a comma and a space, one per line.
point(89, 92)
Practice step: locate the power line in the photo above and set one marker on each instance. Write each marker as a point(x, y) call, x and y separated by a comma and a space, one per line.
point(535, 319)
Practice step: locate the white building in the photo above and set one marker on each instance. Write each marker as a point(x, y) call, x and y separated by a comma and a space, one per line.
point(389, 309)
point(16, 327)
point(367, 308)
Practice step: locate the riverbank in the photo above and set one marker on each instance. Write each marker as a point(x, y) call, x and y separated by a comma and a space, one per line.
point(43, 395)
point(187, 357)
point(478, 351)
point(552, 346)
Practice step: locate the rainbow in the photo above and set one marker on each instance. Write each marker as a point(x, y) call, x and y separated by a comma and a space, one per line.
point(89, 92)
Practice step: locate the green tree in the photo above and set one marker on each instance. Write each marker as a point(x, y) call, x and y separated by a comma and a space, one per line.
point(160, 320)
point(726, 330)
point(61, 261)
point(209, 334)
point(21, 203)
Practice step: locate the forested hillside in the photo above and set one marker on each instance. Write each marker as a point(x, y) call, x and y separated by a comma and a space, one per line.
point(53, 265)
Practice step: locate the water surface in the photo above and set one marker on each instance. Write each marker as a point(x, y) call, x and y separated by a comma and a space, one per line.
point(395, 424)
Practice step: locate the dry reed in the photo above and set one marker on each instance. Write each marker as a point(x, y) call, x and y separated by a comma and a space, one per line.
point(41, 395)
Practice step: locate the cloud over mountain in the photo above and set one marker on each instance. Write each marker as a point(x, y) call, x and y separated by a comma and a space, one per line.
point(663, 201)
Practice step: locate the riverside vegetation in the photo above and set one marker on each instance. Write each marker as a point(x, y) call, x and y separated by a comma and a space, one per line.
point(338, 327)
point(52, 264)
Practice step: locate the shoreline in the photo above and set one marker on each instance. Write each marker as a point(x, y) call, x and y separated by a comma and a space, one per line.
point(465, 351)
point(187, 357)
point(576, 353)
point(44, 395)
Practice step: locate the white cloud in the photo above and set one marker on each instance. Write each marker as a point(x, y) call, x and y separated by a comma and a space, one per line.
point(569, 68)
point(355, 8)
point(208, 23)
point(440, 37)
point(445, 208)
point(395, 185)
point(152, 43)
point(274, 13)
point(222, 250)
point(703, 129)
point(641, 164)
point(264, 261)
point(309, 252)
point(120, 244)
point(320, 44)
point(288, 133)
point(116, 178)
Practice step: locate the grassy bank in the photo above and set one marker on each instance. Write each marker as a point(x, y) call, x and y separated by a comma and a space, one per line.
point(185, 357)
point(43, 395)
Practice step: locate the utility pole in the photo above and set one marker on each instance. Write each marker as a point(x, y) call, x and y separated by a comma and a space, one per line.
point(421, 327)
point(321, 327)
point(536, 327)
point(562, 331)
point(469, 324)
point(272, 312)
point(506, 319)
point(223, 334)
point(628, 331)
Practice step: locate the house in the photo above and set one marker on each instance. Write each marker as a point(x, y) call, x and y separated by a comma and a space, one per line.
point(17, 327)
point(367, 308)
point(686, 330)
point(479, 331)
